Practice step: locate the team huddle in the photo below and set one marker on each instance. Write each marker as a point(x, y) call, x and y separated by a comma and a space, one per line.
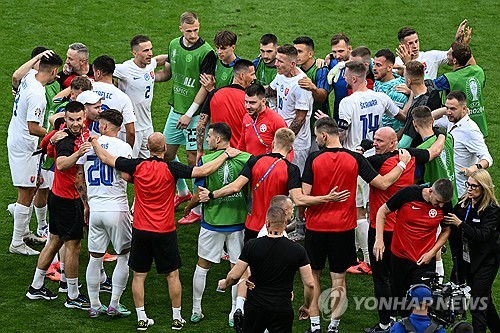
point(389, 169)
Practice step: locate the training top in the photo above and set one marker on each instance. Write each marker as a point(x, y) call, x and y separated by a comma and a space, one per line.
point(224, 73)
point(400, 99)
point(138, 84)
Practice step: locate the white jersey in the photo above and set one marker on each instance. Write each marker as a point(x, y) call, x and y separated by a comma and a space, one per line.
point(361, 115)
point(29, 105)
point(431, 61)
point(114, 98)
point(106, 189)
point(138, 84)
point(291, 97)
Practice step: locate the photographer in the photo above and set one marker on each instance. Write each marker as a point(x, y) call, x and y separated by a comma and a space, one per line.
point(478, 216)
point(420, 297)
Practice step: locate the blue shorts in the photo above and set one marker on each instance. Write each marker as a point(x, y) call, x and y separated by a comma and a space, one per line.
point(175, 136)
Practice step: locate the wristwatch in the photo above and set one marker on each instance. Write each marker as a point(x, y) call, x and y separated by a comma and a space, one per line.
point(211, 195)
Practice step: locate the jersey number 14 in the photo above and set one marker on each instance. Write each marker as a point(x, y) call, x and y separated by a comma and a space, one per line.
point(370, 123)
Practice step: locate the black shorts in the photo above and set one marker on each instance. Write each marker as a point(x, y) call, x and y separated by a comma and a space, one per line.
point(338, 246)
point(249, 234)
point(257, 320)
point(66, 217)
point(162, 247)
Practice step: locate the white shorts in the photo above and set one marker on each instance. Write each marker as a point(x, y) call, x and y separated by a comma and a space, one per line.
point(109, 226)
point(362, 193)
point(299, 158)
point(46, 179)
point(211, 245)
point(23, 167)
point(140, 145)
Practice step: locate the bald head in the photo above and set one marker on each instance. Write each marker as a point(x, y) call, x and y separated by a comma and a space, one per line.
point(156, 144)
point(385, 140)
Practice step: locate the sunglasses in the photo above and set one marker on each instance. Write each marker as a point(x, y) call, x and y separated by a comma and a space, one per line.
point(472, 186)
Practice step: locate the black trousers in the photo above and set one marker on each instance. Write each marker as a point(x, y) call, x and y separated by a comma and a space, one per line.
point(482, 309)
point(257, 320)
point(381, 275)
point(408, 274)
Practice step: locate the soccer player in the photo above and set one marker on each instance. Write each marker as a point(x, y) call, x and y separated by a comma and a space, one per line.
point(420, 211)
point(294, 102)
point(265, 64)
point(189, 57)
point(114, 98)
point(68, 208)
point(421, 94)
point(273, 260)
point(225, 43)
point(25, 128)
point(77, 64)
point(109, 218)
point(386, 82)
point(153, 232)
point(136, 78)
point(363, 54)
point(223, 220)
point(385, 144)
point(330, 226)
point(260, 123)
point(468, 78)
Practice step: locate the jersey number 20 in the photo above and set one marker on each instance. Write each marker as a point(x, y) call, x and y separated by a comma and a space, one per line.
point(105, 175)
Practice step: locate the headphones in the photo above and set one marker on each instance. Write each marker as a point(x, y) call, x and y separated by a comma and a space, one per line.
point(411, 292)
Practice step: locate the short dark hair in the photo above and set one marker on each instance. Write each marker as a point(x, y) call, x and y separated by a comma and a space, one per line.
point(256, 89)
point(74, 106)
point(340, 37)
point(138, 39)
point(225, 38)
point(115, 117)
point(458, 95)
point(405, 32)
point(357, 68)
point(443, 187)
point(461, 52)
point(275, 215)
point(422, 115)
point(105, 64)
point(269, 39)
point(50, 62)
point(221, 129)
point(37, 50)
point(305, 40)
point(288, 50)
point(363, 52)
point(327, 125)
point(81, 82)
point(242, 65)
point(387, 54)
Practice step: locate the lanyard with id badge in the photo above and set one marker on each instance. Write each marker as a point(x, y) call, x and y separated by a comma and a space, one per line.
point(465, 240)
point(250, 202)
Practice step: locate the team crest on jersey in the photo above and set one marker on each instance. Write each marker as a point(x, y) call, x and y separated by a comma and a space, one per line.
point(224, 76)
point(263, 128)
point(146, 76)
point(189, 58)
point(287, 91)
point(32, 179)
point(152, 74)
point(433, 213)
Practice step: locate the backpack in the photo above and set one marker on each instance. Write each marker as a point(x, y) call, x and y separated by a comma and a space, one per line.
point(433, 327)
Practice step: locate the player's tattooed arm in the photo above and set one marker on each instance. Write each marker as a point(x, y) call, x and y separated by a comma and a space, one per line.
point(298, 121)
point(81, 187)
point(200, 130)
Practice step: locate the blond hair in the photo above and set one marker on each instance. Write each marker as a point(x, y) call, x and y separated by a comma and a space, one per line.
point(284, 138)
point(487, 198)
point(188, 18)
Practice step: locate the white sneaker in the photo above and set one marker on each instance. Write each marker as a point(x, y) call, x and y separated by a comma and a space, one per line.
point(10, 208)
point(23, 249)
point(31, 238)
point(43, 231)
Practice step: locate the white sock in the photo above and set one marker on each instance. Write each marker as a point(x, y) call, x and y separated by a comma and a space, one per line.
point(334, 323)
point(362, 235)
point(93, 277)
point(73, 288)
point(199, 282)
point(41, 216)
point(104, 277)
point(176, 313)
point(120, 277)
point(63, 274)
point(315, 325)
point(240, 303)
point(141, 313)
point(21, 222)
point(38, 278)
point(197, 209)
point(440, 269)
point(234, 295)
